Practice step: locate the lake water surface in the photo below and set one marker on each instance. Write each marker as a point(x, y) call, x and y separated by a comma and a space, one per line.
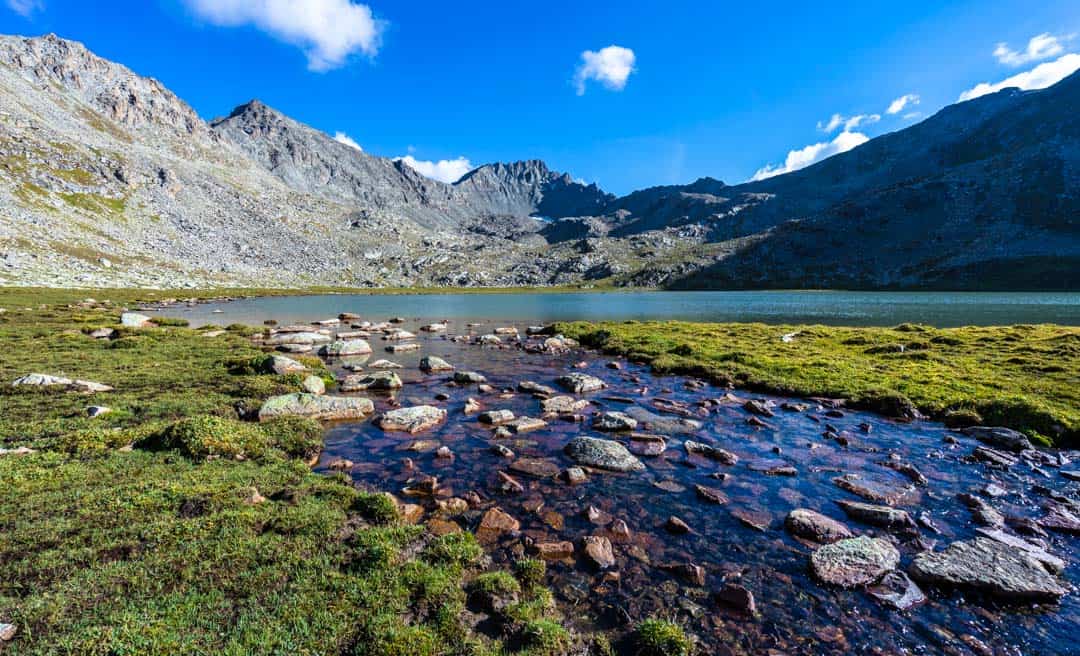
point(942, 309)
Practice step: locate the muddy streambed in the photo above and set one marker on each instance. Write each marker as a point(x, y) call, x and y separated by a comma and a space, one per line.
point(786, 461)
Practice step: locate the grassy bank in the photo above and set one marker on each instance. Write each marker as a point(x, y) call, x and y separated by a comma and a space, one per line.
point(1024, 377)
point(171, 526)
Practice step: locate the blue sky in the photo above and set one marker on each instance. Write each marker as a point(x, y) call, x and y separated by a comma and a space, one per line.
point(691, 89)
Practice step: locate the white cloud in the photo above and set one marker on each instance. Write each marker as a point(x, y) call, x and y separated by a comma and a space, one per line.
point(341, 137)
point(611, 67)
point(911, 116)
point(898, 105)
point(25, 7)
point(1040, 47)
point(813, 153)
point(849, 122)
point(1040, 77)
point(445, 170)
point(328, 31)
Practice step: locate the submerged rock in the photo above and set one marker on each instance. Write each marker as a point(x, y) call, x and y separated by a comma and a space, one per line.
point(603, 454)
point(880, 516)
point(988, 566)
point(812, 525)
point(897, 590)
point(411, 420)
point(854, 562)
point(712, 453)
point(614, 422)
point(496, 417)
point(316, 407)
point(598, 551)
point(563, 405)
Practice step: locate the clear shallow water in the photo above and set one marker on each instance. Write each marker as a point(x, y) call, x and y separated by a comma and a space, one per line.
point(940, 309)
point(797, 615)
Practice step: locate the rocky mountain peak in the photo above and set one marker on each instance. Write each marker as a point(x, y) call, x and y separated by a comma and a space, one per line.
point(110, 88)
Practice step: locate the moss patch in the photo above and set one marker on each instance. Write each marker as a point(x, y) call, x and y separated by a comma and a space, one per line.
point(1023, 377)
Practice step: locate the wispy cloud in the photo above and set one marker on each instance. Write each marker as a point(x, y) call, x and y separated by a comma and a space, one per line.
point(803, 157)
point(1040, 47)
point(898, 105)
point(610, 66)
point(849, 123)
point(328, 31)
point(1040, 77)
point(25, 8)
point(341, 137)
point(444, 170)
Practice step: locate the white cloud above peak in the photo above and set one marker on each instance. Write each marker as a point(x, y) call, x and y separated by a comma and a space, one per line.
point(1044, 75)
point(25, 8)
point(328, 31)
point(803, 157)
point(343, 138)
point(444, 170)
point(1040, 47)
point(610, 66)
point(849, 123)
point(898, 105)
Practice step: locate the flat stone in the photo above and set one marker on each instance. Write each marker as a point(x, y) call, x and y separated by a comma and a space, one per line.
point(1051, 562)
point(647, 445)
point(496, 417)
point(431, 364)
point(398, 336)
point(712, 453)
point(660, 424)
point(812, 525)
point(539, 467)
point(854, 562)
point(880, 516)
point(759, 408)
point(990, 567)
point(524, 425)
point(602, 454)
point(302, 338)
point(531, 387)
point(316, 407)
point(343, 347)
point(496, 523)
point(580, 383)
point(563, 405)
point(376, 380)
point(574, 475)
point(1000, 437)
point(712, 495)
point(614, 422)
point(994, 457)
point(385, 364)
point(872, 490)
point(411, 420)
point(758, 520)
point(554, 550)
point(403, 348)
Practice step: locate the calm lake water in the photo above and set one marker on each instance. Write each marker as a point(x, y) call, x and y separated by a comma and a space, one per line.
point(941, 309)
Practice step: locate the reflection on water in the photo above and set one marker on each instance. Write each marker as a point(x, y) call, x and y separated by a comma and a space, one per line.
point(831, 308)
point(741, 541)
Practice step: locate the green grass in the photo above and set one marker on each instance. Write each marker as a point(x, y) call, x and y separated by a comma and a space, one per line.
point(1025, 377)
point(655, 637)
point(173, 525)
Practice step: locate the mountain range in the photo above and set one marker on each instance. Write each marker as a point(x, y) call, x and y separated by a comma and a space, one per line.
point(108, 178)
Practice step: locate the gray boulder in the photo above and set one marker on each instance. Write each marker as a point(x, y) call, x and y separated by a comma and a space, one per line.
point(316, 407)
point(988, 566)
point(602, 454)
point(854, 562)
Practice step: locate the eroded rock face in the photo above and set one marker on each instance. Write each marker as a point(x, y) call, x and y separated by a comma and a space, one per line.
point(854, 562)
point(602, 454)
point(316, 407)
point(412, 420)
point(988, 566)
point(812, 525)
